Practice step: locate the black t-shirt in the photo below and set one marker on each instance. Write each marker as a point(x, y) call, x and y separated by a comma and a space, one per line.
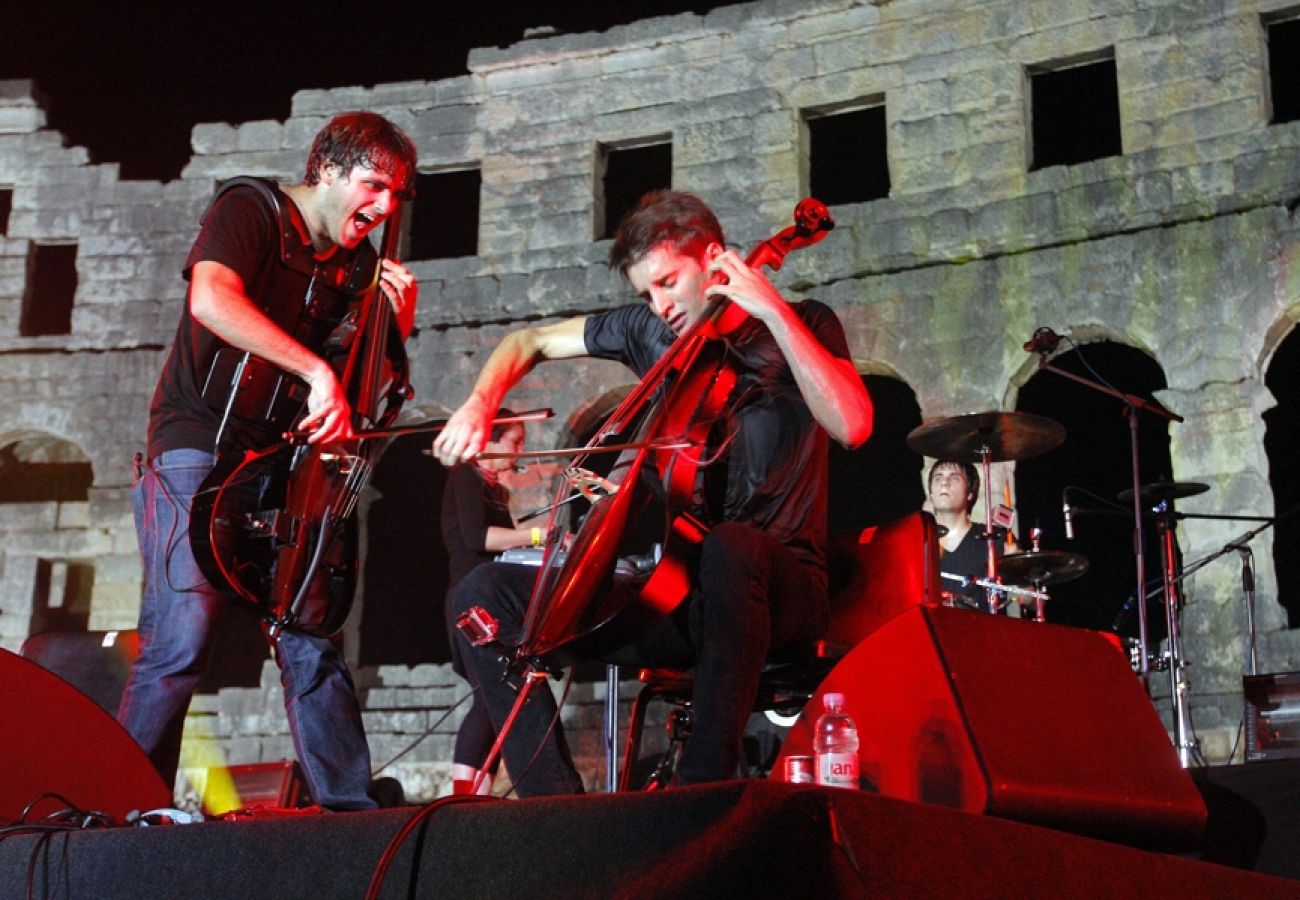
point(470, 505)
point(969, 560)
point(245, 233)
point(775, 457)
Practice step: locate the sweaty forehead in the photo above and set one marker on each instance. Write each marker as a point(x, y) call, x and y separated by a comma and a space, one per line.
point(385, 167)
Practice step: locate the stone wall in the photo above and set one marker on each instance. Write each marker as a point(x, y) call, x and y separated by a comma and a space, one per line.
point(1184, 247)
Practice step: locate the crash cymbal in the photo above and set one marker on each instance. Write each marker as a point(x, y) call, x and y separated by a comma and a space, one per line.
point(1163, 489)
point(1006, 435)
point(1041, 567)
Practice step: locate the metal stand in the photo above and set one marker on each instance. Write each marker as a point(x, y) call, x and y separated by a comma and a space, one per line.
point(1132, 404)
point(610, 735)
point(1178, 688)
point(1248, 588)
point(532, 677)
point(993, 594)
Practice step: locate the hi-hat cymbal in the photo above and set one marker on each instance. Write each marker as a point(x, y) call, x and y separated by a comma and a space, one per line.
point(1041, 567)
point(1163, 489)
point(1005, 435)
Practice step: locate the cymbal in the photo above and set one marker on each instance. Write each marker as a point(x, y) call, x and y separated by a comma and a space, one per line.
point(1006, 435)
point(1163, 489)
point(1041, 567)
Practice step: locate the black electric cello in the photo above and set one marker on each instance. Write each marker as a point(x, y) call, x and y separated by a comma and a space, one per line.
point(269, 526)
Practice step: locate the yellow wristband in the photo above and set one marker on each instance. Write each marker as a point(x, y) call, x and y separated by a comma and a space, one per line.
point(537, 537)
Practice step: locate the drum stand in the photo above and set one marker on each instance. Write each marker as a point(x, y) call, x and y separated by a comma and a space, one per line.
point(1179, 692)
point(994, 591)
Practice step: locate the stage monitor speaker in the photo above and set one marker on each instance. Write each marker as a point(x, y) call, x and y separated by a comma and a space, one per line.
point(55, 739)
point(1028, 721)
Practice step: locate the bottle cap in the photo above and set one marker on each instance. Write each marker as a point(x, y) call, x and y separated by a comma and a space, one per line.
point(833, 699)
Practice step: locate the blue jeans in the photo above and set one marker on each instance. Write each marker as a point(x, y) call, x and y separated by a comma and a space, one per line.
point(178, 615)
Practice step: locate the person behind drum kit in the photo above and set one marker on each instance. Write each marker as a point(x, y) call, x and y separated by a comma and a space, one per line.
point(476, 526)
point(260, 250)
point(954, 488)
point(760, 582)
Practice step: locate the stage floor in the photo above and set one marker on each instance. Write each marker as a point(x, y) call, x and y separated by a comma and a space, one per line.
point(740, 839)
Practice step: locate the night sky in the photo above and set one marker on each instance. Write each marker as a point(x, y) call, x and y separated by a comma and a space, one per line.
point(129, 81)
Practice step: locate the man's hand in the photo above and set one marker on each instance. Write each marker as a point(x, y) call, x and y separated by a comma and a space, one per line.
point(747, 287)
point(329, 418)
point(398, 284)
point(465, 433)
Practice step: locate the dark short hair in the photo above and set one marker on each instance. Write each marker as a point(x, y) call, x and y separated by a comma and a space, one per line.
point(677, 218)
point(363, 139)
point(498, 431)
point(972, 479)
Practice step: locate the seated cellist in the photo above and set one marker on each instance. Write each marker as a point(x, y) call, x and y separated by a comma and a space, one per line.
point(760, 581)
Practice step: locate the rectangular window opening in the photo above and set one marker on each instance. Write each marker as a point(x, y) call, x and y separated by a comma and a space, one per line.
point(6, 207)
point(1284, 68)
point(50, 291)
point(1074, 111)
point(442, 222)
point(624, 175)
point(848, 159)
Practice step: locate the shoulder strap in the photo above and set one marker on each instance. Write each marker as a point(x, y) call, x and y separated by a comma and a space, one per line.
point(349, 273)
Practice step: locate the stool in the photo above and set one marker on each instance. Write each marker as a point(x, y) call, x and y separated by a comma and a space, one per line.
point(784, 686)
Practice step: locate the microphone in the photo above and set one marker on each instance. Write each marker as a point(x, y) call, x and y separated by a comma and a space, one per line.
point(1043, 341)
point(1069, 519)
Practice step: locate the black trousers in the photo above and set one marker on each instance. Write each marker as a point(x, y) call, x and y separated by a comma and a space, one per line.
point(750, 596)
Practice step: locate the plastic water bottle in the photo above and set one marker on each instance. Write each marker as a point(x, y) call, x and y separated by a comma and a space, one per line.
point(835, 744)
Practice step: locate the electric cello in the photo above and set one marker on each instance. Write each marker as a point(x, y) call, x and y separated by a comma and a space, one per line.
point(579, 608)
point(269, 527)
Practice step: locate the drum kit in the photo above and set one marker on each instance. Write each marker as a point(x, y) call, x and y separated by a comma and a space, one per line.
point(990, 437)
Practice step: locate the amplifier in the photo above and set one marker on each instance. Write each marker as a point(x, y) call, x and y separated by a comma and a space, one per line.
point(278, 784)
point(1272, 716)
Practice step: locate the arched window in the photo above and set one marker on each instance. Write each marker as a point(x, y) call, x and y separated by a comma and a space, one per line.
point(40, 468)
point(1281, 438)
point(1094, 464)
point(404, 562)
point(881, 480)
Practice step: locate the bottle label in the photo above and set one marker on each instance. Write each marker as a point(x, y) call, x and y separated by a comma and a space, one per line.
point(838, 770)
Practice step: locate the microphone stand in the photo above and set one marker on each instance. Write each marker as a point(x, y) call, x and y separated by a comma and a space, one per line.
point(1132, 405)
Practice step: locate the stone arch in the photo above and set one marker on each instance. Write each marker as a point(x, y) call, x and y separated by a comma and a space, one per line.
point(881, 480)
point(398, 614)
point(1072, 338)
point(44, 491)
point(38, 466)
point(1094, 465)
point(1280, 368)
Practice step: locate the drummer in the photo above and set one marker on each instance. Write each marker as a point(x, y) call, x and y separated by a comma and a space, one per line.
point(954, 487)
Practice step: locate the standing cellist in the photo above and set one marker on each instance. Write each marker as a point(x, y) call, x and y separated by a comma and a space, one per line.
point(270, 276)
point(761, 575)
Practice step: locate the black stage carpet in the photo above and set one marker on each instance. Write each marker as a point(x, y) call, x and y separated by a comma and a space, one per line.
point(741, 839)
